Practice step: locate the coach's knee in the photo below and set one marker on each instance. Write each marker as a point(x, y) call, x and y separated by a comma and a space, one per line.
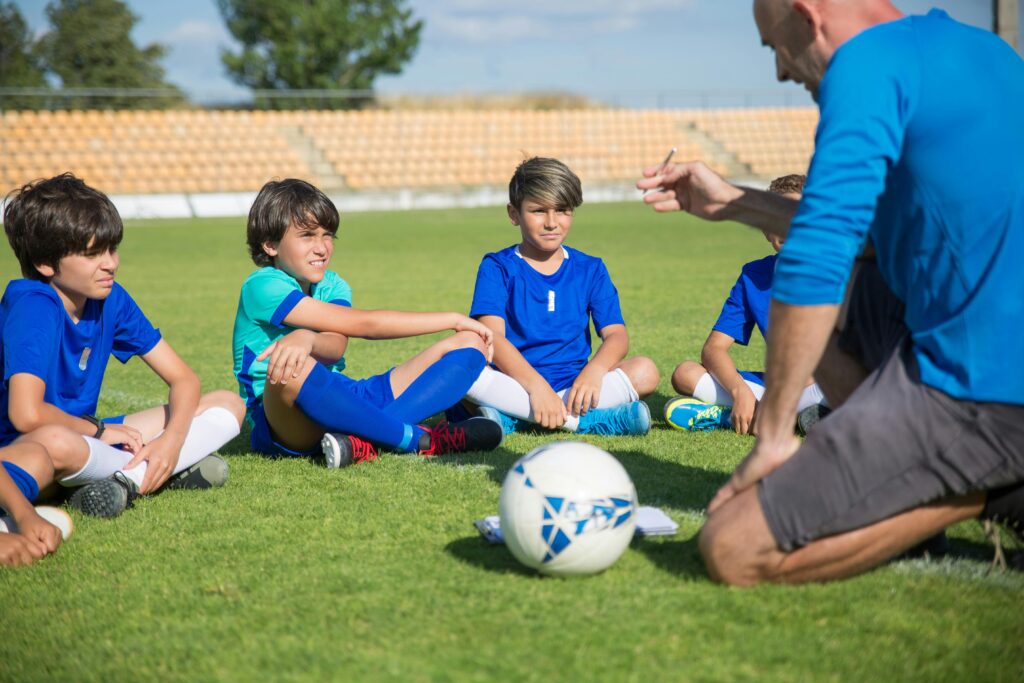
point(686, 375)
point(736, 554)
point(228, 400)
point(66, 450)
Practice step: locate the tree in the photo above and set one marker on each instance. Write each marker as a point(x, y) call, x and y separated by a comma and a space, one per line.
point(90, 46)
point(317, 44)
point(19, 65)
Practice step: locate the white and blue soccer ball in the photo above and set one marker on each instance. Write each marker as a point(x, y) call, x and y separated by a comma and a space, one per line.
point(567, 508)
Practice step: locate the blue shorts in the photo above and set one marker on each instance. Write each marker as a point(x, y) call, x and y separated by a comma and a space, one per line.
point(375, 390)
point(25, 482)
point(755, 377)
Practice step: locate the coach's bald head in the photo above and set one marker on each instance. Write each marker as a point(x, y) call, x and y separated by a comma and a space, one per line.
point(806, 33)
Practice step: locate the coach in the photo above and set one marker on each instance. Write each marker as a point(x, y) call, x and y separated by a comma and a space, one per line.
point(920, 146)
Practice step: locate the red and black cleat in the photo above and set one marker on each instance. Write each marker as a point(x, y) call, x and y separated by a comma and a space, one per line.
point(474, 434)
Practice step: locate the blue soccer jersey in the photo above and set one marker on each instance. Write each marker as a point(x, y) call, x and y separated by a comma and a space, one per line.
point(267, 297)
point(40, 339)
point(920, 145)
point(547, 317)
point(749, 301)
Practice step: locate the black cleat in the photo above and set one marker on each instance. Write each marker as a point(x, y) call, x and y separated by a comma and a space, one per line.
point(210, 472)
point(474, 434)
point(342, 450)
point(105, 498)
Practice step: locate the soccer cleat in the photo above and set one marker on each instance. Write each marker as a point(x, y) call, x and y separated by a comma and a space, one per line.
point(629, 419)
point(810, 416)
point(1003, 506)
point(210, 472)
point(105, 498)
point(508, 423)
point(54, 516)
point(342, 450)
point(474, 434)
point(690, 415)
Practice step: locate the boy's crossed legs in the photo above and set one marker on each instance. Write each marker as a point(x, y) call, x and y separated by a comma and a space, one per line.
point(107, 488)
point(385, 409)
point(629, 382)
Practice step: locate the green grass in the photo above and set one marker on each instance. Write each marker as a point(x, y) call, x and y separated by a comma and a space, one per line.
point(375, 572)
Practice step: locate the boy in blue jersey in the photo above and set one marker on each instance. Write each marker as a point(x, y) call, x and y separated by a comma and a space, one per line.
point(60, 324)
point(24, 467)
point(291, 330)
point(539, 298)
point(727, 397)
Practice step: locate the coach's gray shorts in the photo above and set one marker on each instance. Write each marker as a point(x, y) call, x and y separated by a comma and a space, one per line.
point(896, 444)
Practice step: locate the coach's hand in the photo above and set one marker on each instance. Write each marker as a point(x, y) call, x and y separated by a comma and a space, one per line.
point(547, 407)
point(690, 187)
point(122, 435)
point(464, 323)
point(764, 458)
point(288, 355)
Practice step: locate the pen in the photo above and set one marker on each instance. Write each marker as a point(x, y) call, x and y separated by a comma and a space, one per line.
point(668, 158)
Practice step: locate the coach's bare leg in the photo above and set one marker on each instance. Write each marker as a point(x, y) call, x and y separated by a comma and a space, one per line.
point(838, 373)
point(739, 549)
point(642, 373)
point(686, 375)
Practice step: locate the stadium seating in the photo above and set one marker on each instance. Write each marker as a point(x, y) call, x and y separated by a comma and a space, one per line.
point(193, 151)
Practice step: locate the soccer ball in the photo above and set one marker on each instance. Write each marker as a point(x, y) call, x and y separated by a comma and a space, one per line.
point(567, 508)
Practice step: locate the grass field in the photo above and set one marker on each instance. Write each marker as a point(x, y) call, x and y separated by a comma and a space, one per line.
point(375, 572)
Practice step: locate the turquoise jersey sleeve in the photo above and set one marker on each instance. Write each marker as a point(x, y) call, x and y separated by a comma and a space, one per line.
point(269, 295)
point(866, 98)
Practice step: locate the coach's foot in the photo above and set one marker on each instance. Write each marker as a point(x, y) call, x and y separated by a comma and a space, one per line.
point(474, 434)
point(105, 498)
point(690, 415)
point(508, 423)
point(629, 419)
point(1004, 507)
point(210, 472)
point(810, 416)
point(342, 450)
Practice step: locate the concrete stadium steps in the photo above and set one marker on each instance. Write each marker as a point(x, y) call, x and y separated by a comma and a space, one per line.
point(194, 152)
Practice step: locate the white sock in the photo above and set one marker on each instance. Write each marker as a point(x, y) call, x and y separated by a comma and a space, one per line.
point(209, 431)
point(498, 390)
point(710, 391)
point(103, 461)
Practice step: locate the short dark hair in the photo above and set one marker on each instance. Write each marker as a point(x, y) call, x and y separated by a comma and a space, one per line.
point(49, 219)
point(281, 203)
point(548, 180)
point(788, 184)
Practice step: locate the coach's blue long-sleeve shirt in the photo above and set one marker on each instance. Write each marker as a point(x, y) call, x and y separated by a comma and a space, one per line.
point(921, 145)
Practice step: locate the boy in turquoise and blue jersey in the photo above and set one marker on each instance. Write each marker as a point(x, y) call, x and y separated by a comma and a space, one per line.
point(291, 331)
point(716, 394)
point(539, 298)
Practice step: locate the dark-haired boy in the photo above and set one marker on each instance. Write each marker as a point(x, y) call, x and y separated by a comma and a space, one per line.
point(59, 327)
point(716, 394)
point(291, 331)
point(539, 297)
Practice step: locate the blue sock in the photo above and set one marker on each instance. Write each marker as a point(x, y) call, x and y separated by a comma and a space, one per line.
point(326, 400)
point(440, 386)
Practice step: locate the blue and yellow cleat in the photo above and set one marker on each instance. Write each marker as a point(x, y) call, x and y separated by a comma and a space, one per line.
point(690, 415)
point(629, 419)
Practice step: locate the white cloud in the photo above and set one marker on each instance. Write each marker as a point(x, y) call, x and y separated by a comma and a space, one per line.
point(196, 31)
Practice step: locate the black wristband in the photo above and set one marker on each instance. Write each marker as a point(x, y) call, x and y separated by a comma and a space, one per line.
point(100, 427)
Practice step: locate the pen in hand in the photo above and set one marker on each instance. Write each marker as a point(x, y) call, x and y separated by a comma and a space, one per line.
point(668, 158)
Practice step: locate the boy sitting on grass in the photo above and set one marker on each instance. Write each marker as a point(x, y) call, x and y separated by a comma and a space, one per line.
point(59, 326)
point(716, 394)
point(291, 330)
point(24, 468)
point(539, 298)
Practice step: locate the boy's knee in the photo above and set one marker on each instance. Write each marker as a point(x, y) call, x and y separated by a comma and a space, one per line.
point(466, 340)
point(228, 400)
point(64, 449)
point(686, 375)
point(33, 458)
point(288, 391)
point(644, 375)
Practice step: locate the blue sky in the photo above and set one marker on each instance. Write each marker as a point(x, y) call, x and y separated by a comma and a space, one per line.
point(627, 52)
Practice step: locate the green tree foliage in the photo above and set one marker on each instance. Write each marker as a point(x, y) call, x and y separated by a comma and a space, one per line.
point(19, 65)
point(317, 44)
point(90, 46)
